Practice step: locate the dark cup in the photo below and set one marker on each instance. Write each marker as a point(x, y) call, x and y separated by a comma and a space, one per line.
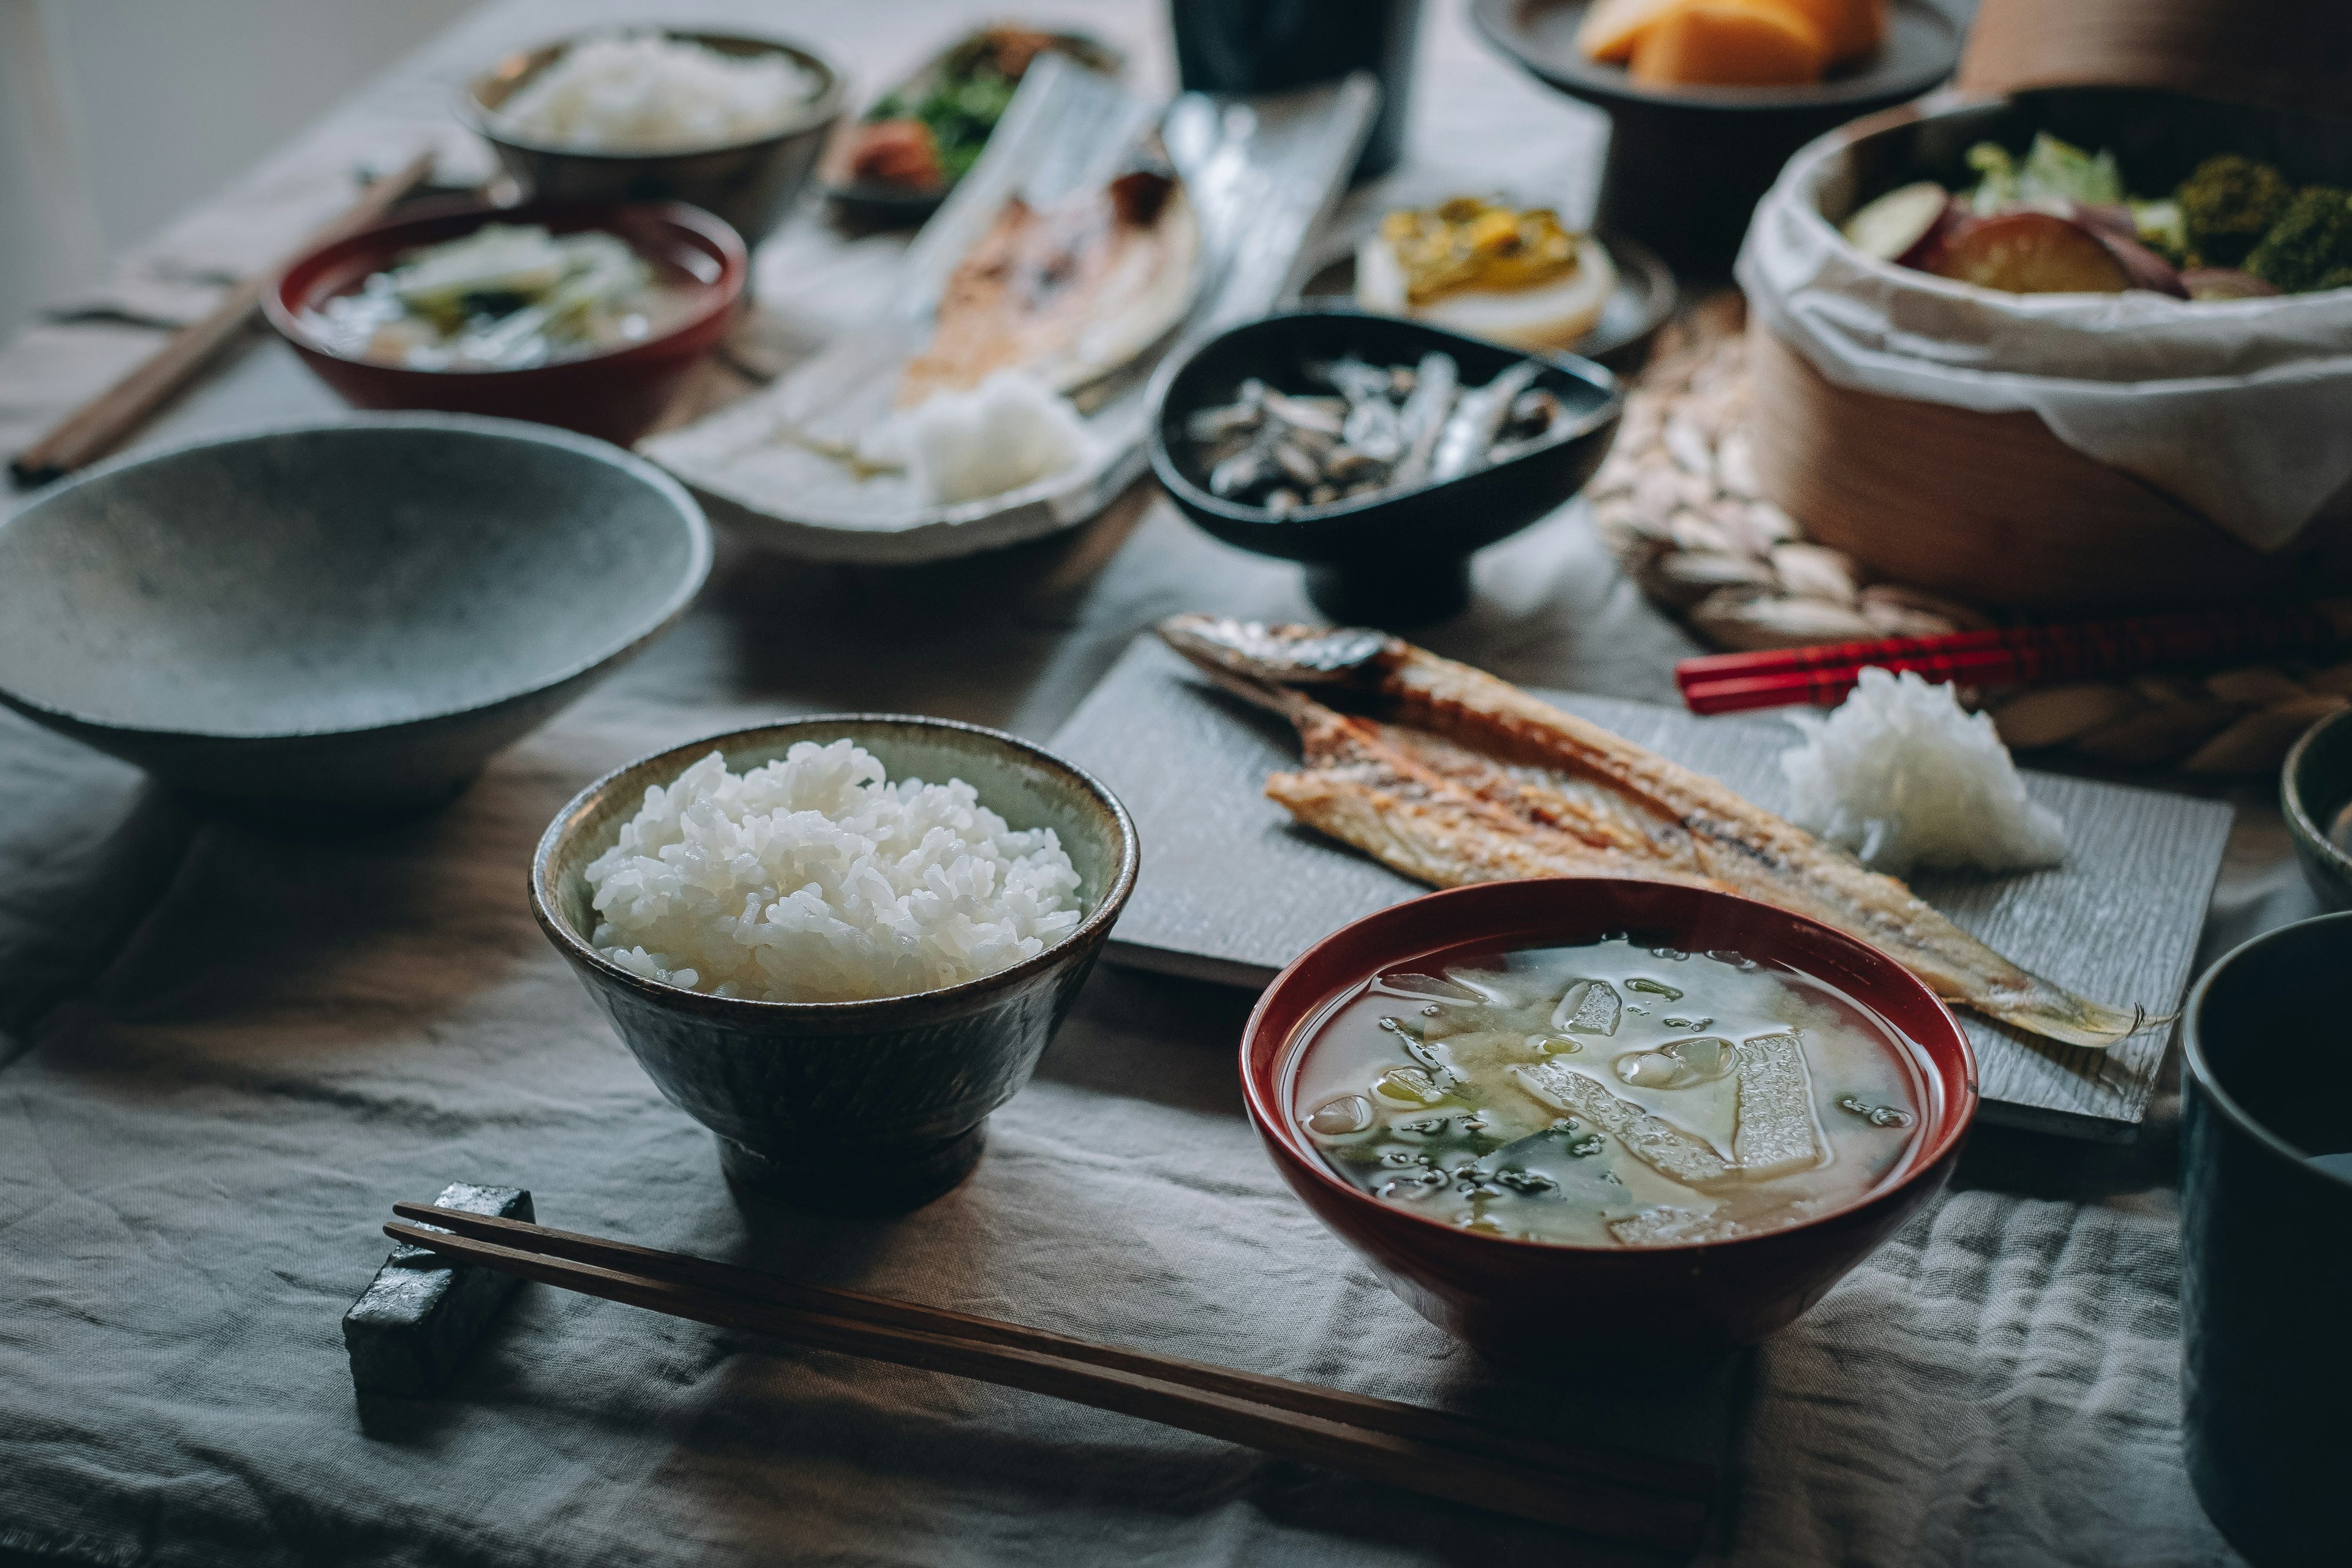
point(1271, 45)
point(2266, 1242)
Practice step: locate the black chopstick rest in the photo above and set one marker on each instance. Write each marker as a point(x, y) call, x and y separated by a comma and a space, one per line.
point(420, 1314)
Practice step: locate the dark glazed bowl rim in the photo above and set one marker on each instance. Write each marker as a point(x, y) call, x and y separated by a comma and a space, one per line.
point(1610, 85)
point(1192, 497)
point(2301, 826)
point(522, 64)
point(734, 269)
point(681, 505)
point(758, 1015)
point(1262, 1090)
point(2201, 1070)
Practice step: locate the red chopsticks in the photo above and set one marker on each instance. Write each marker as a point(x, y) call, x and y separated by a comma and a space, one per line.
point(2003, 656)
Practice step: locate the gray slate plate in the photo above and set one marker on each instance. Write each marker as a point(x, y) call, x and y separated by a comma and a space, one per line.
point(1232, 890)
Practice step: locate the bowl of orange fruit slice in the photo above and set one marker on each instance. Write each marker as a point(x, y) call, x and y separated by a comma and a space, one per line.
point(1708, 97)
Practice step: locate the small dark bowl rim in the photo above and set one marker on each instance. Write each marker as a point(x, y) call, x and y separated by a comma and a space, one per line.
point(2301, 825)
point(1260, 1095)
point(1191, 495)
point(2199, 1069)
point(688, 512)
point(734, 271)
point(1587, 80)
point(757, 1013)
point(486, 122)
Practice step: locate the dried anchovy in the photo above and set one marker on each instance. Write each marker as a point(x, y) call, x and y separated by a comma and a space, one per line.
point(1389, 427)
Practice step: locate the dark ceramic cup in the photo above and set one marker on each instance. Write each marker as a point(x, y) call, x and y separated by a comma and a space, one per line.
point(2266, 1242)
point(1271, 45)
point(850, 1107)
point(2314, 789)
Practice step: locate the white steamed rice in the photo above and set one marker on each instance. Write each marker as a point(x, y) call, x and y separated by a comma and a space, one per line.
point(1902, 775)
point(644, 92)
point(815, 879)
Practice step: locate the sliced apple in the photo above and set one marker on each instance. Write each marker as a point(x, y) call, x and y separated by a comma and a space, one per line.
point(1898, 223)
point(2104, 218)
point(2030, 253)
point(2143, 267)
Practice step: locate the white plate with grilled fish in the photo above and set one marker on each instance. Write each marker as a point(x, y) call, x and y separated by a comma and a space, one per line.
point(1096, 233)
point(1237, 883)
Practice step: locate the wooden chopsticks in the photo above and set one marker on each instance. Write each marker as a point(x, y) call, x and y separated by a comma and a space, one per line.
point(1627, 1498)
point(98, 426)
point(2002, 656)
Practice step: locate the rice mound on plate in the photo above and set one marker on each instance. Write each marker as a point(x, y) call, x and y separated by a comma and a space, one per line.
point(1904, 776)
point(814, 878)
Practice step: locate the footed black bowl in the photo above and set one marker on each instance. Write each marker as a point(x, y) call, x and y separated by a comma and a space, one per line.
point(1394, 559)
point(1687, 164)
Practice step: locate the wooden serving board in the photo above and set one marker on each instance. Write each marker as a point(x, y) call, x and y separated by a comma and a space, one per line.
point(1233, 890)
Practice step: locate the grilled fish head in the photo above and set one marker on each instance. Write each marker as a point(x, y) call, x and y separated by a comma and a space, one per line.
point(1281, 655)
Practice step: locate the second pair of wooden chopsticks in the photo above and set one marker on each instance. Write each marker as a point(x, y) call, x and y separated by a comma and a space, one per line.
point(100, 425)
point(1647, 1501)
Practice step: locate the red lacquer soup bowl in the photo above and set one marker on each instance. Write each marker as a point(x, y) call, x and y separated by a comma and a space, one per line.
point(617, 394)
point(1686, 1302)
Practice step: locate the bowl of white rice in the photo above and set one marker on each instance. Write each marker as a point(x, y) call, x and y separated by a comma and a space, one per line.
point(729, 124)
point(838, 943)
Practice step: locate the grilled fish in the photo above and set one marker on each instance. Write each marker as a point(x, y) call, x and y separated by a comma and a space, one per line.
point(1450, 775)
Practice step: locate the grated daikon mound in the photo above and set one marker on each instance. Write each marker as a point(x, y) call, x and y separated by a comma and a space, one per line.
point(644, 92)
point(815, 879)
point(1008, 432)
point(1902, 775)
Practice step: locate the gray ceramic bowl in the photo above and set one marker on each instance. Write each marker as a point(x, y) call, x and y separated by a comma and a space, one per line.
point(329, 617)
point(2314, 788)
point(749, 184)
point(849, 1106)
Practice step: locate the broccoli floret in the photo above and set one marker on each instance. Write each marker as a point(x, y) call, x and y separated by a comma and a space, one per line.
point(2340, 278)
point(2310, 240)
point(2227, 203)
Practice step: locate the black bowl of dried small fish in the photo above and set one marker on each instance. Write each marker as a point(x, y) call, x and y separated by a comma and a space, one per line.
point(1378, 452)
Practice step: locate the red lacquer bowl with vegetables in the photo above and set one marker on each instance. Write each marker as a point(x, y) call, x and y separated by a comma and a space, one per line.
point(1585, 1124)
point(587, 316)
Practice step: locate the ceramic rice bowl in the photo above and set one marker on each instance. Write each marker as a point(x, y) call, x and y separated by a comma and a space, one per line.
point(864, 1106)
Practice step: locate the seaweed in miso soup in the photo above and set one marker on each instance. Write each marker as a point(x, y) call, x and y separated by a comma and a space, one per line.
point(1607, 1094)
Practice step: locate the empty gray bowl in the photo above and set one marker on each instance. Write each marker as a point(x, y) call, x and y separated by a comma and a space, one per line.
point(325, 617)
point(849, 1106)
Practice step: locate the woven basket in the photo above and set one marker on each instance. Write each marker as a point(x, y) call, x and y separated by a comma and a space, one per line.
point(1993, 508)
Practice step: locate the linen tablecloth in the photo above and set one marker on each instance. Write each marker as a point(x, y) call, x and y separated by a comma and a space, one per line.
point(224, 1053)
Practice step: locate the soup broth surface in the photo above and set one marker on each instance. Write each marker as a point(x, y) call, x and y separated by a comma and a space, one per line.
point(1607, 1094)
point(507, 297)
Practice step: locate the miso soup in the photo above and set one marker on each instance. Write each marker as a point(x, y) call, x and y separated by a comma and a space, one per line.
point(1608, 1094)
